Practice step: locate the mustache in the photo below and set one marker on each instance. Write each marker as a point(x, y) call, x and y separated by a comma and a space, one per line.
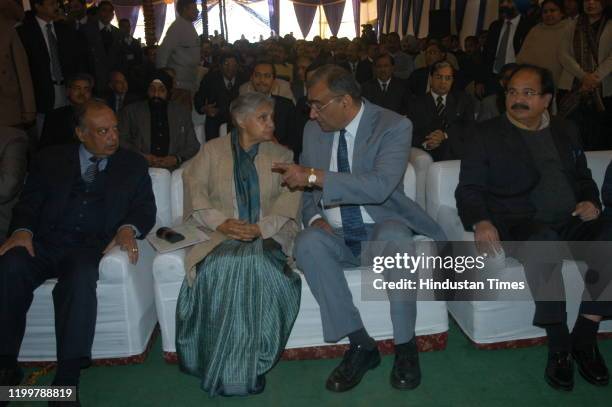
point(519, 106)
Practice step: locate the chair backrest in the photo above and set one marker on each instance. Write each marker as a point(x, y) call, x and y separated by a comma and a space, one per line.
point(598, 162)
point(160, 181)
point(421, 161)
point(223, 130)
point(442, 180)
point(410, 182)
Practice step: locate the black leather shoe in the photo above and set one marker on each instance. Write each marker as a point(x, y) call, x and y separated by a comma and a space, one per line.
point(406, 373)
point(559, 373)
point(355, 363)
point(591, 365)
point(11, 377)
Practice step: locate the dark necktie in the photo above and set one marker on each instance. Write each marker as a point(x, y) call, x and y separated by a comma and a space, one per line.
point(56, 68)
point(383, 87)
point(230, 86)
point(352, 222)
point(92, 170)
point(500, 57)
point(440, 106)
point(118, 103)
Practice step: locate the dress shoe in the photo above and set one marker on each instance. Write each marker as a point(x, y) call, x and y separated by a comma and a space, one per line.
point(559, 371)
point(66, 403)
point(406, 373)
point(591, 365)
point(355, 363)
point(11, 376)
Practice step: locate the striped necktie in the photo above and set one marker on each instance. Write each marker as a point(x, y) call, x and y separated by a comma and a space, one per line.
point(440, 107)
point(56, 68)
point(352, 223)
point(92, 170)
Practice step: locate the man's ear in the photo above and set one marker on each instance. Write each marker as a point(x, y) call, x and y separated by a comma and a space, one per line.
point(79, 133)
point(548, 100)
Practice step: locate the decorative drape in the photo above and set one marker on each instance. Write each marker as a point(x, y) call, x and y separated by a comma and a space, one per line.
point(356, 16)
point(417, 10)
point(129, 12)
point(460, 6)
point(388, 14)
point(406, 6)
point(445, 4)
point(333, 13)
point(381, 10)
point(159, 10)
point(305, 16)
point(274, 12)
point(481, 16)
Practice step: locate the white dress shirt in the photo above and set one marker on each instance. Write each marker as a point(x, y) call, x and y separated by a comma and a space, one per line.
point(43, 27)
point(435, 98)
point(332, 213)
point(384, 85)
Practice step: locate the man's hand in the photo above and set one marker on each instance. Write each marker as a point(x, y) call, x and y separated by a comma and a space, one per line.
point(210, 109)
point(20, 238)
point(587, 211)
point(434, 139)
point(239, 230)
point(479, 90)
point(168, 161)
point(296, 176)
point(486, 237)
point(322, 223)
point(590, 82)
point(151, 159)
point(126, 240)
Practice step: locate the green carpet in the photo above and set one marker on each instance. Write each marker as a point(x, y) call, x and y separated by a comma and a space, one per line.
point(458, 376)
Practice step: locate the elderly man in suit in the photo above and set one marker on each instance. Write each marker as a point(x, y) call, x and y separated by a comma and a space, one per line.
point(160, 129)
point(13, 163)
point(441, 117)
point(385, 89)
point(79, 201)
point(353, 161)
point(525, 178)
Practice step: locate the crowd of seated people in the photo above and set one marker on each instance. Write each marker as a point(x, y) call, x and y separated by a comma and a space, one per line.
point(295, 114)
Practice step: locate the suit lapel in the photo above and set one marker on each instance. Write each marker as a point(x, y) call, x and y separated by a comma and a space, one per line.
point(364, 133)
point(450, 108)
point(67, 172)
point(145, 126)
point(174, 128)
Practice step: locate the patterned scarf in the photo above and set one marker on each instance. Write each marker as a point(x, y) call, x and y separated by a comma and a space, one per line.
point(246, 180)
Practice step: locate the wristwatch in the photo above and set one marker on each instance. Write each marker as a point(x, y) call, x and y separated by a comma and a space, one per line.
point(312, 177)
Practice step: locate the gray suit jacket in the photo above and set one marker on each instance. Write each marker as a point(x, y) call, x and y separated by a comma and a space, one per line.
point(13, 165)
point(380, 157)
point(135, 129)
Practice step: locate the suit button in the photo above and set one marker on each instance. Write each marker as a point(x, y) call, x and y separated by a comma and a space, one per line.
point(84, 202)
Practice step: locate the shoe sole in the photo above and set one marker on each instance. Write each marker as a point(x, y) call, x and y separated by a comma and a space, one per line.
point(408, 386)
point(558, 386)
point(591, 380)
point(336, 390)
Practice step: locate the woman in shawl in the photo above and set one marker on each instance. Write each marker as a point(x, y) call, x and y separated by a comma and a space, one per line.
point(240, 299)
point(585, 86)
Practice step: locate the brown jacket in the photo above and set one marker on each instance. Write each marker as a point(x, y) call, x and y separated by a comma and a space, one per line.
point(208, 185)
point(13, 164)
point(16, 91)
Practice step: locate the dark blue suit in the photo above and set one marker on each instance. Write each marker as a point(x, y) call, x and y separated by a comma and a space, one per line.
point(72, 222)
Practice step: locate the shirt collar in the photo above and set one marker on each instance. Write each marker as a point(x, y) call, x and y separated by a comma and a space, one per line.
point(515, 20)
point(351, 128)
point(102, 26)
point(43, 24)
point(435, 97)
point(85, 155)
point(383, 83)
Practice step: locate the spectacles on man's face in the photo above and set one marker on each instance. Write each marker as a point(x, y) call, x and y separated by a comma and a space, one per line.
point(446, 78)
point(317, 107)
point(527, 93)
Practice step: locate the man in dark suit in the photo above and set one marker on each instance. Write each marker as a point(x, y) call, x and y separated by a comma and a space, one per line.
point(79, 201)
point(285, 115)
point(13, 166)
point(525, 178)
point(441, 117)
point(53, 55)
point(365, 70)
point(298, 86)
point(130, 50)
point(385, 89)
point(606, 192)
point(159, 128)
point(59, 125)
point(217, 90)
point(104, 45)
point(504, 41)
point(419, 80)
point(119, 95)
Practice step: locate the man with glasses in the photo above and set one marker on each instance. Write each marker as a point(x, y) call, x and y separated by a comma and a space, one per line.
point(441, 117)
point(352, 165)
point(525, 178)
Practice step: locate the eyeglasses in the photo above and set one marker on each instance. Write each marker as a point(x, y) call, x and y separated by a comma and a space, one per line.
point(527, 93)
point(446, 78)
point(317, 108)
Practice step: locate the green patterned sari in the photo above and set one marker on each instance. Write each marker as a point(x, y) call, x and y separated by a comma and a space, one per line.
point(233, 323)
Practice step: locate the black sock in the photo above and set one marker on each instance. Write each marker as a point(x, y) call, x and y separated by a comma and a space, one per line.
point(361, 338)
point(558, 338)
point(68, 372)
point(406, 347)
point(584, 334)
point(8, 361)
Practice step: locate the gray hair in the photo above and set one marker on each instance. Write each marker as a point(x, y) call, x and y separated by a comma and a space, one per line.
point(81, 111)
point(246, 103)
point(338, 80)
point(440, 65)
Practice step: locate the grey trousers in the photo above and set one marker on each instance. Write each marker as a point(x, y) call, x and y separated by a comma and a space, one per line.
point(322, 256)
